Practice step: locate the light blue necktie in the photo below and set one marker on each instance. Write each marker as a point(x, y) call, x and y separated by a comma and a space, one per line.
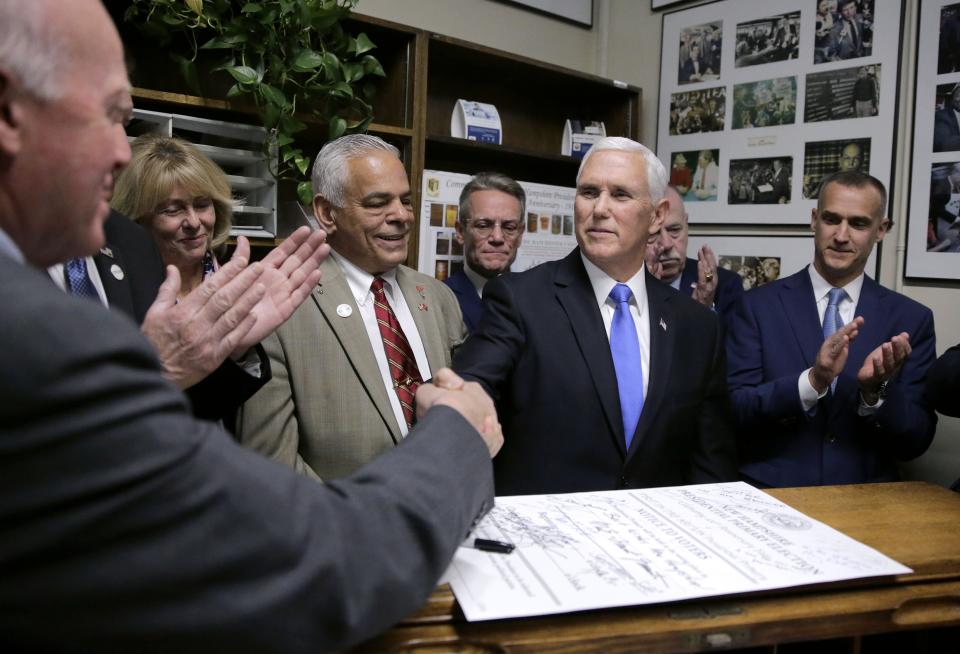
point(78, 281)
point(832, 321)
point(625, 348)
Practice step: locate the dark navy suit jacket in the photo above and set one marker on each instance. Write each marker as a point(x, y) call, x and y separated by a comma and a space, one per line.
point(542, 352)
point(729, 288)
point(470, 304)
point(774, 336)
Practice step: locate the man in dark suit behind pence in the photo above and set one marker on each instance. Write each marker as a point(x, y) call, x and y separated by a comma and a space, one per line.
point(714, 287)
point(603, 376)
point(490, 228)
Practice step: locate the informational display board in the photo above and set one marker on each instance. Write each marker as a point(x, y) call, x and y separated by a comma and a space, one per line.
point(548, 224)
point(760, 101)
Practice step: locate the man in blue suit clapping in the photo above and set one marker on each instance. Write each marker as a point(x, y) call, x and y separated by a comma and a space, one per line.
point(826, 367)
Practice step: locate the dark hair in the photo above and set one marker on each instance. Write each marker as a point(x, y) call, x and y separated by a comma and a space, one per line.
point(855, 179)
point(490, 182)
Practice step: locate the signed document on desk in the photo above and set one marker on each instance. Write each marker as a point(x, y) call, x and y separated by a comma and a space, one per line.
point(581, 551)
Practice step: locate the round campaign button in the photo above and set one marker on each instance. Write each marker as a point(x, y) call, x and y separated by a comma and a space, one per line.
point(344, 310)
point(116, 271)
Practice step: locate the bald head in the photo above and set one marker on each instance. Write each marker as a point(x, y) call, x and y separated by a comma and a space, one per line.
point(673, 237)
point(851, 157)
point(64, 98)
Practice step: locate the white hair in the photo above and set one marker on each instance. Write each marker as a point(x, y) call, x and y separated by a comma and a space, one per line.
point(330, 169)
point(29, 48)
point(656, 173)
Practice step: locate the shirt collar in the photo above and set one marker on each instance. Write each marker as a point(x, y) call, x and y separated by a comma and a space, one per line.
point(478, 280)
point(603, 283)
point(821, 287)
point(9, 248)
point(359, 280)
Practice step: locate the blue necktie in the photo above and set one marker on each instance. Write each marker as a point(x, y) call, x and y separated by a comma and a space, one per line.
point(625, 348)
point(832, 321)
point(78, 281)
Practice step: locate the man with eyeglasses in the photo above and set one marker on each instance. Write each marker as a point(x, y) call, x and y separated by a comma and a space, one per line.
point(490, 228)
point(347, 364)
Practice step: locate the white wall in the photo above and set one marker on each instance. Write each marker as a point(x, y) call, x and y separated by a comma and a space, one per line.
point(624, 44)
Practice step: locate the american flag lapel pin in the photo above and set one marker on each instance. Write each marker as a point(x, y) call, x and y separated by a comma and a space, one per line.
point(663, 324)
point(422, 306)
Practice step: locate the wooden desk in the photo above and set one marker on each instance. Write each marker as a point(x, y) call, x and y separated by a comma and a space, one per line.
point(915, 523)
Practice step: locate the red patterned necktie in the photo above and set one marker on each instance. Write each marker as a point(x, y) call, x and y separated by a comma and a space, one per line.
point(400, 359)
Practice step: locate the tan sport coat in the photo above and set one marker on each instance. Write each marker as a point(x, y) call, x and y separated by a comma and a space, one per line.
point(325, 411)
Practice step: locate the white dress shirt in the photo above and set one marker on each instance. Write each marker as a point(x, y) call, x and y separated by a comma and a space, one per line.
point(847, 310)
point(478, 280)
point(57, 273)
point(359, 282)
point(602, 285)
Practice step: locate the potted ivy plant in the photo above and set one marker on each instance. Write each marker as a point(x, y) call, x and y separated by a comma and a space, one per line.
point(293, 58)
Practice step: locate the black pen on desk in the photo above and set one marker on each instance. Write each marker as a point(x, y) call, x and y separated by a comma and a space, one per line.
point(488, 545)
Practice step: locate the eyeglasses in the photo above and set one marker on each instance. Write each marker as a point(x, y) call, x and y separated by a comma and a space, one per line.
point(483, 227)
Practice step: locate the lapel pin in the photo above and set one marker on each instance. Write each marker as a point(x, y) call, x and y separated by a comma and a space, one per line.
point(106, 252)
point(116, 271)
point(422, 306)
point(663, 325)
point(420, 291)
point(344, 310)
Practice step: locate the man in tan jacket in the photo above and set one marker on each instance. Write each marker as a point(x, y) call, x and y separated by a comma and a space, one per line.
point(346, 365)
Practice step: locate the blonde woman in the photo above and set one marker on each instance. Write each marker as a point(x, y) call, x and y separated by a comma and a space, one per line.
point(182, 199)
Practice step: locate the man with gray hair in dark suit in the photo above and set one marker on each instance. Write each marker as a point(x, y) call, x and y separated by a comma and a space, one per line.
point(126, 524)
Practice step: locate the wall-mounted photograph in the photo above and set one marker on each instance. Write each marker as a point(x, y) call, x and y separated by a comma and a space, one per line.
point(943, 229)
point(946, 119)
point(844, 30)
point(695, 174)
point(762, 259)
point(692, 112)
point(841, 94)
point(764, 180)
point(933, 223)
point(767, 40)
point(700, 50)
point(822, 158)
point(948, 57)
point(765, 103)
point(775, 123)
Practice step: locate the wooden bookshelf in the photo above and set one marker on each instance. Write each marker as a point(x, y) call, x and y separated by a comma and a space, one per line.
point(426, 73)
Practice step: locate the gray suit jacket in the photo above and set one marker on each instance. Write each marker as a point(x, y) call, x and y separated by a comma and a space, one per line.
point(131, 526)
point(326, 411)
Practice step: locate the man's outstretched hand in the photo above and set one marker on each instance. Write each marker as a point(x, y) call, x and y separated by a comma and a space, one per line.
point(234, 309)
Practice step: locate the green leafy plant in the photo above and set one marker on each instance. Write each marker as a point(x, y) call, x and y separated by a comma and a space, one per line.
point(292, 57)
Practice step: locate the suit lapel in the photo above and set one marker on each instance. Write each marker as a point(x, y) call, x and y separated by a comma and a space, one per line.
point(797, 302)
point(109, 262)
point(662, 335)
point(689, 277)
point(332, 292)
point(575, 295)
point(423, 307)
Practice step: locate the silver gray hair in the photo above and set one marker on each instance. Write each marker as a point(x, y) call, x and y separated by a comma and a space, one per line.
point(29, 48)
point(330, 169)
point(491, 182)
point(656, 173)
